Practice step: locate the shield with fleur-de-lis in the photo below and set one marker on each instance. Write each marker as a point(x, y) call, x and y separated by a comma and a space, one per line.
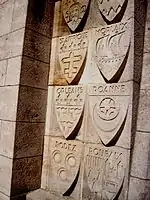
point(72, 54)
point(111, 45)
point(112, 10)
point(65, 159)
point(74, 12)
point(108, 106)
point(69, 108)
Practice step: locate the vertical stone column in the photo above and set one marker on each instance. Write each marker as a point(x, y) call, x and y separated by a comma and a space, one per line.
point(25, 42)
point(140, 164)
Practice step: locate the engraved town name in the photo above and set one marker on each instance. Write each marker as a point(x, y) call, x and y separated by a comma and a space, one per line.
point(69, 106)
point(105, 170)
point(72, 53)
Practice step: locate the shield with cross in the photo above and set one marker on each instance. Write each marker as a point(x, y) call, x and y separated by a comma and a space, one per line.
point(72, 54)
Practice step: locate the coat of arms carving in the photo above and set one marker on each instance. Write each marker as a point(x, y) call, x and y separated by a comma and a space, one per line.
point(112, 10)
point(109, 107)
point(65, 164)
point(72, 54)
point(111, 50)
point(74, 11)
point(105, 170)
point(69, 107)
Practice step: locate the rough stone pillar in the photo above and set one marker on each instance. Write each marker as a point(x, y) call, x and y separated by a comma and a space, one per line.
point(25, 42)
point(140, 164)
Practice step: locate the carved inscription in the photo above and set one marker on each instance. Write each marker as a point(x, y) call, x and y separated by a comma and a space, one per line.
point(110, 49)
point(112, 10)
point(69, 106)
point(3, 2)
point(72, 53)
point(105, 170)
point(108, 107)
point(65, 163)
point(74, 11)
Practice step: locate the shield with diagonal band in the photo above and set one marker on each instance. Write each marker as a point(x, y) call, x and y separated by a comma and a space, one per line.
point(112, 10)
point(65, 157)
point(69, 108)
point(108, 109)
point(105, 170)
point(72, 54)
point(74, 11)
point(111, 45)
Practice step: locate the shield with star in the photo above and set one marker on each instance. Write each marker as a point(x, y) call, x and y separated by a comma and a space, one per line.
point(109, 109)
point(111, 45)
point(69, 108)
point(112, 11)
point(74, 12)
point(72, 54)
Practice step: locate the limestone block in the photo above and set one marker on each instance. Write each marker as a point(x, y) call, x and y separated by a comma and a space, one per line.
point(108, 53)
point(70, 61)
point(6, 12)
point(26, 175)
point(108, 114)
point(3, 197)
point(65, 111)
point(11, 44)
point(28, 139)
point(144, 110)
point(36, 46)
point(34, 73)
point(40, 17)
point(139, 189)
point(63, 167)
point(19, 14)
point(140, 160)
point(106, 171)
point(13, 71)
point(8, 102)
point(3, 70)
point(5, 174)
point(7, 138)
point(32, 104)
point(145, 82)
point(147, 38)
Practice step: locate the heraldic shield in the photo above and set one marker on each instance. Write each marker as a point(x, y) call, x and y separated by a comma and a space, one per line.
point(113, 10)
point(111, 50)
point(65, 165)
point(109, 111)
point(74, 11)
point(105, 170)
point(72, 54)
point(69, 107)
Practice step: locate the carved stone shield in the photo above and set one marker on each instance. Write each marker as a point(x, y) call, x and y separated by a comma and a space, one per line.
point(74, 11)
point(105, 170)
point(65, 157)
point(113, 10)
point(108, 107)
point(111, 49)
point(72, 54)
point(69, 107)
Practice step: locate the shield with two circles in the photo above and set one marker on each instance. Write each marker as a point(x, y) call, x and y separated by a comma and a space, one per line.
point(111, 45)
point(65, 165)
point(72, 54)
point(109, 113)
point(112, 10)
point(69, 108)
point(74, 12)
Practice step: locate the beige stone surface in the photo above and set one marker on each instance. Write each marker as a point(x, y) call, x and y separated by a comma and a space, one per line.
point(7, 138)
point(6, 13)
point(8, 102)
point(140, 159)
point(5, 174)
point(4, 197)
point(62, 170)
point(105, 171)
point(3, 71)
